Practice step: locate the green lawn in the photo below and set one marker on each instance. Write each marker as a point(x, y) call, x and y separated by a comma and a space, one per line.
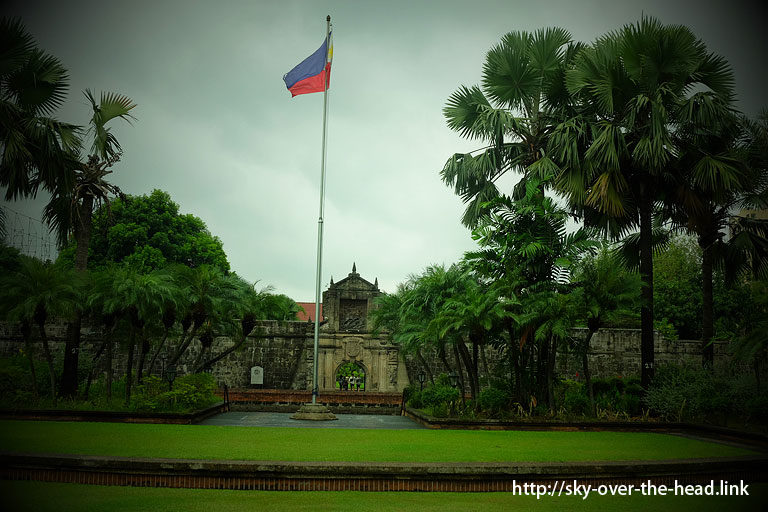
point(302, 444)
point(42, 497)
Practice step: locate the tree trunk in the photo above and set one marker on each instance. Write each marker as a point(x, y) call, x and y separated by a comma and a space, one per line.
point(83, 222)
point(515, 370)
point(159, 348)
point(129, 367)
point(83, 232)
point(48, 359)
point(468, 364)
point(185, 341)
point(143, 349)
point(110, 373)
point(707, 308)
point(587, 375)
point(444, 359)
point(210, 362)
point(26, 333)
point(646, 273)
point(541, 372)
point(484, 361)
point(93, 371)
point(425, 366)
point(69, 383)
point(551, 372)
point(459, 371)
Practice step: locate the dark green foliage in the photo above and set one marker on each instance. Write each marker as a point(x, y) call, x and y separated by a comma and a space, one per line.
point(190, 392)
point(684, 393)
point(677, 287)
point(147, 232)
point(493, 401)
point(439, 398)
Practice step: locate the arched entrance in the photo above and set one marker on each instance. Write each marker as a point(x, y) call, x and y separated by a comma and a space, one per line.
point(350, 376)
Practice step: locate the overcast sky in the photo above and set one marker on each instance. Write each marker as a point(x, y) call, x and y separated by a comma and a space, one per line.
point(218, 130)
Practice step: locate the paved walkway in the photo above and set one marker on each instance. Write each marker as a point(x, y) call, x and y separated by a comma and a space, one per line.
point(282, 419)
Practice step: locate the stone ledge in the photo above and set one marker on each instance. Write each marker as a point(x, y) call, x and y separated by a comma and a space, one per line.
point(276, 475)
point(187, 418)
point(754, 439)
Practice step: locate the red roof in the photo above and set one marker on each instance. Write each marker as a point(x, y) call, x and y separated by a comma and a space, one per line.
point(309, 311)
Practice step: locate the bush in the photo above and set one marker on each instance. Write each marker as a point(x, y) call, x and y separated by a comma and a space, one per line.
point(439, 394)
point(684, 393)
point(493, 400)
point(576, 402)
point(189, 392)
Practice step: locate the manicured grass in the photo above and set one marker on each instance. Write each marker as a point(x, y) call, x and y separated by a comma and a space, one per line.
point(42, 497)
point(300, 444)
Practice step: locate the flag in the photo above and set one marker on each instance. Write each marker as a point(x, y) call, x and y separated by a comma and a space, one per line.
point(311, 74)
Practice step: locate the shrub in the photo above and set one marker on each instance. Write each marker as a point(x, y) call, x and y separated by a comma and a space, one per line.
point(684, 393)
point(576, 402)
point(439, 394)
point(493, 401)
point(189, 392)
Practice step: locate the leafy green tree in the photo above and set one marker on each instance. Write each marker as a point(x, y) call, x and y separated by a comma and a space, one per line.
point(35, 292)
point(635, 86)
point(522, 99)
point(148, 232)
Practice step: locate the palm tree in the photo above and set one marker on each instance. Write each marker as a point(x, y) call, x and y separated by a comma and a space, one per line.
point(37, 148)
point(524, 245)
point(634, 85)
point(523, 98)
point(70, 210)
point(723, 174)
point(604, 289)
point(476, 314)
point(207, 290)
point(137, 298)
point(238, 315)
point(35, 292)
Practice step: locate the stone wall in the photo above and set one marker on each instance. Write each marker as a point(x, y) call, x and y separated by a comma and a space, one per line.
point(284, 351)
point(613, 352)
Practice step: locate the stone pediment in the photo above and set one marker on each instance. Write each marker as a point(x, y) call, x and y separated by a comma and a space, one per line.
point(354, 282)
point(346, 304)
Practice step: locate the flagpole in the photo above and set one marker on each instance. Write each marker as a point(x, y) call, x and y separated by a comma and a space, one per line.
point(320, 217)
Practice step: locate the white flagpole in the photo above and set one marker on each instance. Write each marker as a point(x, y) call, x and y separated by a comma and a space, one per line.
point(320, 218)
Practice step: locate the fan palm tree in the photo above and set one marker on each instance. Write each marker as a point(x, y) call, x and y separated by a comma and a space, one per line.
point(635, 85)
point(34, 293)
point(723, 176)
point(36, 148)
point(522, 99)
point(70, 210)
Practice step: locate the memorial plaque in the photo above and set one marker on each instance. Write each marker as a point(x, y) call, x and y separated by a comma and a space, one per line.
point(257, 375)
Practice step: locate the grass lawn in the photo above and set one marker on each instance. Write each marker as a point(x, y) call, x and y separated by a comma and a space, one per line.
point(42, 497)
point(300, 444)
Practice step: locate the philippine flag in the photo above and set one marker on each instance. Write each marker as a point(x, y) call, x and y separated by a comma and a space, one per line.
point(313, 74)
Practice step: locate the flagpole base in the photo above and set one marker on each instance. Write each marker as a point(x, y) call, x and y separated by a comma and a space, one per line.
point(314, 412)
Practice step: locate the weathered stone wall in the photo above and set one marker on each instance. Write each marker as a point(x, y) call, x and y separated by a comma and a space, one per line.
point(284, 351)
point(613, 352)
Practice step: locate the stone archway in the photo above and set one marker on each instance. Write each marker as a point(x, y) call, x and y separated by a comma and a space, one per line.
point(351, 375)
